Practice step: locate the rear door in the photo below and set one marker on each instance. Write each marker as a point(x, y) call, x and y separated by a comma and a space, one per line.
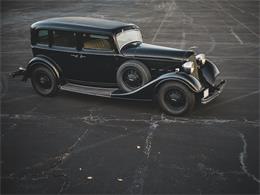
point(65, 53)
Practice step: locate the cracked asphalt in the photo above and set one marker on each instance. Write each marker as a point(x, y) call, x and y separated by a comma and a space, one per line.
point(75, 143)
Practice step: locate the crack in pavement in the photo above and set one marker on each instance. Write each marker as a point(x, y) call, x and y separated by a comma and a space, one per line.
point(53, 169)
point(140, 173)
point(242, 159)
point(208, 171)
point(97, 119)
point(63, 157)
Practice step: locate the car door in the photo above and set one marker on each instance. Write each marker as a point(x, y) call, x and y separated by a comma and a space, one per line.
point(65, 53)
point(99, 59)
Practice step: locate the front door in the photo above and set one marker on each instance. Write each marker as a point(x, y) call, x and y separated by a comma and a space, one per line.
point(98, 59)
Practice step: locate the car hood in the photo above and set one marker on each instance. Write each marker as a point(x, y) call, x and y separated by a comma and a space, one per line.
point(155, 51)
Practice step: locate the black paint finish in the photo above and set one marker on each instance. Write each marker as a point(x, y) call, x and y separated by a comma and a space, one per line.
point(98, 67)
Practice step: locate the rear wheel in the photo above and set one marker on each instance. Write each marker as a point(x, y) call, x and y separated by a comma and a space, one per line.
point(44, 81)
point(132, 75)
point(175, 98)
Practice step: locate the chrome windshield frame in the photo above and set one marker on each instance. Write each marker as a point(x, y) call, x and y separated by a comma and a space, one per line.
point(118, 46)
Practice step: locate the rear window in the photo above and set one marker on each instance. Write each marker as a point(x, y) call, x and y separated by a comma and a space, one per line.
point(96, 42)
point(64, 39)
point(43, 37)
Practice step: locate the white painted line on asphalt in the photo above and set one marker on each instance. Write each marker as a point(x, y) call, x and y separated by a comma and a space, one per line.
point(240, 57)
point(232, 5)
point(242, 11)
point(15, 40)
point(15, 52)
point(236, 36)
point(213, 44)
point(233, 99)
point(236, 20)
point(171, 7)
point(18, 99)
point(239, 78)
point(207, 43)
point(183, 41)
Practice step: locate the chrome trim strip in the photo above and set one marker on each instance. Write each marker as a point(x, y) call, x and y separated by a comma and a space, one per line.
point(85, 51)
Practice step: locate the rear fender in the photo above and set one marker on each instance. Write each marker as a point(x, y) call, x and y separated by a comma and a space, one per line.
point(46, 62)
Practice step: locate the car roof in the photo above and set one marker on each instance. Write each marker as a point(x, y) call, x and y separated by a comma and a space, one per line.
point(83, 24)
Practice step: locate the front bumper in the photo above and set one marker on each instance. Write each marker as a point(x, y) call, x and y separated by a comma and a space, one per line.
point(214, 92)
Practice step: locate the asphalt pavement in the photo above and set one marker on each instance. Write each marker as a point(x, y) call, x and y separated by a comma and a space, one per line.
point(76, 143)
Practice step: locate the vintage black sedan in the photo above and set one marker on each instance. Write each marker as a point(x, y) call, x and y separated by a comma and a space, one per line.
point(109, 59)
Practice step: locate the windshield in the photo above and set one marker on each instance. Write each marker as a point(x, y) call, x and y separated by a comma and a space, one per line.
point(128, 36)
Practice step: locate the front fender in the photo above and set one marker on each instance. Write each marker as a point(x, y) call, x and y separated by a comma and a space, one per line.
point(190, 81)
point(147, 91)
point(210, 72)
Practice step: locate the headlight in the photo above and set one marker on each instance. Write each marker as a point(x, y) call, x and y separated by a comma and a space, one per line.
point(188, 67)
point(201, 58)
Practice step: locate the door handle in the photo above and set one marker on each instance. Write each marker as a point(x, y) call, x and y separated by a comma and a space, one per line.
point(74, 55)
point(82, 56)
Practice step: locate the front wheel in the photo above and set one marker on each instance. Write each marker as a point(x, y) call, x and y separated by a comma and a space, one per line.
point(175, 98)
point(44, 81)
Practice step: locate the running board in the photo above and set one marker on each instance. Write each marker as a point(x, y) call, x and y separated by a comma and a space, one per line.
point(88, 90)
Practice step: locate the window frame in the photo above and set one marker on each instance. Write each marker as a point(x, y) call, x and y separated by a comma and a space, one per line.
point(37, 38)
point(101, 50)
point(52, 45)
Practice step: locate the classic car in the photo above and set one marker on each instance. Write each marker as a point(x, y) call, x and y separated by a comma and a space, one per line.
point(109, 59)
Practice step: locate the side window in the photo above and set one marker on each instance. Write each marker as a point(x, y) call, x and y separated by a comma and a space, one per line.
point(64, 38)
point(43, 37)
point(96, 42)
